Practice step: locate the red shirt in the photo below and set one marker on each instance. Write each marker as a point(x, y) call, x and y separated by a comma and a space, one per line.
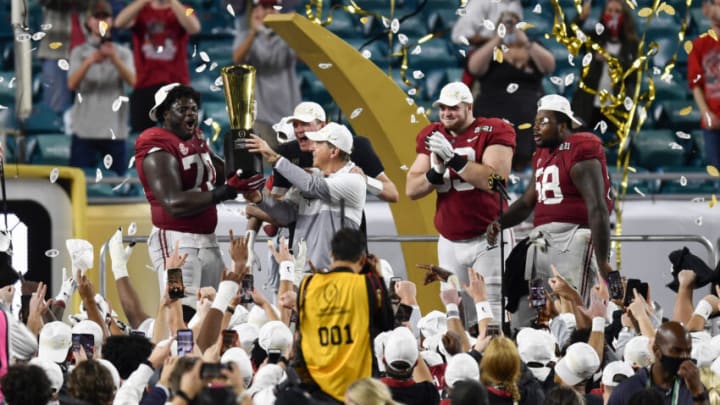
point(463, 211)
point(558, 200)
point(704, 71)
point(196, 172)
point(159, 48)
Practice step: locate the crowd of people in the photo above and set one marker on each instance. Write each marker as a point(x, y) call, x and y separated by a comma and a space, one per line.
point(560, 326)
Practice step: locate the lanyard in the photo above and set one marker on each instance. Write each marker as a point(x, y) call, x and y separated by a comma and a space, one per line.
point(675, 388)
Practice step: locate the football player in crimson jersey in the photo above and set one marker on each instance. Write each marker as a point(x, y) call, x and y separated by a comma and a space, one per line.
point(455, 158)
point(571, 200)
point(183, 181)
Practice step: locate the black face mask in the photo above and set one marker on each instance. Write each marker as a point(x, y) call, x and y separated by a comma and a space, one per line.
point(671, 365)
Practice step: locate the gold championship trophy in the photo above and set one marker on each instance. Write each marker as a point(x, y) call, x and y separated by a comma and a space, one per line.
point(239, 83)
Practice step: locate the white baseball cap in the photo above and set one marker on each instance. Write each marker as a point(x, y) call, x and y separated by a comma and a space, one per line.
point(434, 323)
point(242, 362)
point(536, 346)
point(579, 363)
point(637, 352)
point(308, 111)
point(275, 335)
point(160, 97)
point(247, 333)
point(55, 341)
point(52, 370)
point(615, 372)
point(461, 366)
point(453, 94)
point(87, 326)
point(335, 134)
point(401, 347)
point(555, 102)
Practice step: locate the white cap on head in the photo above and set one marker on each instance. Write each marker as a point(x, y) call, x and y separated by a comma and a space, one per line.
point(434, 323)
point(461, 366)
point(453, 94)
point(247, 333)
point(242, 362)
point(238, 317)
point(275, 335)
point(307, 112)
point(87, 326)
point(160, 97)
point(555, 102)
point(616, 372)
point(333, 133)
point(268, 375)
point(401, 347)
point(579, 363)
point(536, 346)
point(706, 352)
point(53, 371)
point(113, 371)
point(55, 341)
point(637, 352)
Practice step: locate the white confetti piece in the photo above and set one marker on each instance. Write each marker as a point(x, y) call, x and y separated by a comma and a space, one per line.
point(461, 11)
point(404, 168)
point(230, 10)
point(218, 81)
point(580, 35)
point(23, 37)
point(395, 26)
point(675, 146)
point(132, 229)
point(52, 253)
point(131, 163)
point(54, 174)
point(159, 49)
point(277, 7)
point(698, 200)
point(697, 78)
point(46, 27)
point(201, 68)
point(413, 120)
point(63, 64)
point(708, 120)
point(683, 181)
point(356, 112)
point(120, 186)
point(637, 190)
point(683, 135)
point(416, 51)
point(208, 121)
point(462, 53)
point(409, 101)
point(556, 80)
point(489, 25)
point(571, 60)
point(412, 91)
point(124, 99)
point(587, 59)
point(403, 39)
point(108, 161)
point(513, 179)
point(420, 110)
point(117, 103)
point(204, 56)
point(537, 9)
point(11, 83)
point(324, 66)
point(38, 36)
point(698, 221)
point(213, 65)
point(463, 40)
point(656, 70)
point(98, 175)
point(112, 134)
point(194, 52)
point(366, 53)
point(599, 28)
point(79, 98)
point(512, 88)
point(628, 103)
point(102, 28)
point(418, 74)
point(3, 107)
point(569, 79)
point(386, 22)
point(501, 30)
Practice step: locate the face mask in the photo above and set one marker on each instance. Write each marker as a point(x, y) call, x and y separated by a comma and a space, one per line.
point(671, 365)
point(613, 22)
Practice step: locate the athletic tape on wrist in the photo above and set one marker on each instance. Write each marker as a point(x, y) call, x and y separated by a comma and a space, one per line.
point(483, 311)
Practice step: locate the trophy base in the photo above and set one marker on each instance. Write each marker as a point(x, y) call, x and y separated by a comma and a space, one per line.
point(237, 157)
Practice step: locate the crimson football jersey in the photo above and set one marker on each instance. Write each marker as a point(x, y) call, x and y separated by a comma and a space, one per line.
point(463, 211)
point(196, 172)
point(558, 200)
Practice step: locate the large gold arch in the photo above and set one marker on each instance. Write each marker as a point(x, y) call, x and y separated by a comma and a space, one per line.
point(355, 82)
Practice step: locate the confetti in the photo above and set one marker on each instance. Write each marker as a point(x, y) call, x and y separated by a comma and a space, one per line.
point(277, 7)
point(63, 64)
point(708, 120)
point(513, 179)
point(697, 78)
point(412, 91)
point(587, 59)
point(120, 186)
point(54, 174)
point(213, 65)
point(420, 110)
point(410, 101)
point(201, 68)
point(683, 181)
point(645, 12)
point(628, 103)
point(189, 11)
point(366, 54)
point(501, 30)
point(23, 37)
point(11, 83)
point(462, 53)
point(356, 112)
point(112, 134)
point(218, 81)
point(637, 190)
point(230, 10)
point(512, 88)
point(416, 51)
point(418, 74)
point(116, 105)
point(194, 52)
point(569, 79)
point(698, 221)
point(556, 80)
point(685, 111)
point(102, 28)
point(675, 146)
point(498, 55)
point(683, 135)
point(208, 121)
point(489, 25)
point(403, 39)
point(159, 49)
point(571, 60)
point(55, 45)
point(131, 163)
point(204, 56)
point(713, 201)
point(108, 161)
point(656, 70)
point(688, 46)
point(132, 229)
point(461, 11)
point(463, 40)
point(537, 9)
point(413, 120)
point(404, 168)
point(395, 26)
point(52, 253)
point(712, 170)
point(386, 22)
point(325, 66)
point(46, 27)
point(79, 98)
point(599, 28)
point(712, 34)
point(98, 175)
point(525, 125)
point(38, 36)
point(3, 107)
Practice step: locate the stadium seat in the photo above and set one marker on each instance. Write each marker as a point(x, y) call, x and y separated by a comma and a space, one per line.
point(697, 152)
point(634, 185)
point(378, 50)
point(344, 25)
point(434, 81)
point(651, 149)
point(680, 115)
point(312, 88)
point(676, 89)
point(541, 23)
point(690, 186)
point(48, 149)
point(433, 54)
point(43, 120)
point(440, 20)
point(454, 74)
point(699, 22)
point(216, 22)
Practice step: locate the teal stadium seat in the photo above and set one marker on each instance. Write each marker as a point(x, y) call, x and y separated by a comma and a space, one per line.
point(675, 115)
point(691, 186)
point(700, 23)
point(433, 55)
point(378, 50)
point(653, 148)
point(644, 186)
point(454, 74)
point(344, 25)
point(441, 20)
point(51, 149)
point(697, 153)
point(43, 120)
point(541, 23)
point(434, 81)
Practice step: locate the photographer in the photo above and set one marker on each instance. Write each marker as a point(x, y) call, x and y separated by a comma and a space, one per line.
point(98, 71)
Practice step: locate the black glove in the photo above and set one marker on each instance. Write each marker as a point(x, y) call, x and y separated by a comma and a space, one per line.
point(222, 193)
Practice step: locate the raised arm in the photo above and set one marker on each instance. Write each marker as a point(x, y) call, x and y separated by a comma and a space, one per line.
point(587, 177)
point(126, 17)
point(189, 21)
point(479, 61)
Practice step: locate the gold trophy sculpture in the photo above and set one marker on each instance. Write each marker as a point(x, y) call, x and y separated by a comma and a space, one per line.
point(239, 83)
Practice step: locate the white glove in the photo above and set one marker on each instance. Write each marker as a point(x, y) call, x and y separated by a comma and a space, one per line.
point(81, 255)
point(68, 287)
point(437, 165)
point(119, 255)
point(438, 144)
